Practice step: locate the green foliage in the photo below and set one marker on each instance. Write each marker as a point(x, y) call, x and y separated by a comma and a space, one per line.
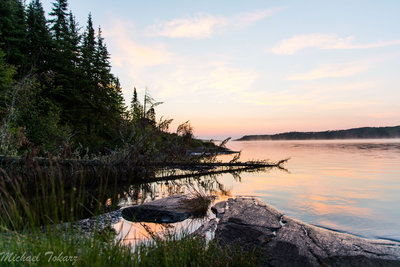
point(13, 33)
point(41, 119)
point(77, 90)
point(6, 81)
point(74, 94)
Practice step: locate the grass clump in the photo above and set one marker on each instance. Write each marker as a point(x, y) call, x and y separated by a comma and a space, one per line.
point(198, 201)
point(57, 248)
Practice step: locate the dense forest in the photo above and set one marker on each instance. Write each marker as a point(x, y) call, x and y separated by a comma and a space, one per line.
point(57, 89)
point(356, 133)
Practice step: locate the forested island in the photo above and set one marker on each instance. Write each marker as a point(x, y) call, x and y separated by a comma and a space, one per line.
point(355, 133)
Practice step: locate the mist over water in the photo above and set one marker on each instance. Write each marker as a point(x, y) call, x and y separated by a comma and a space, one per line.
point(347, 185)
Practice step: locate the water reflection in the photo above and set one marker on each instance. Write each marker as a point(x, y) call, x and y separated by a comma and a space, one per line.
point(347, 185)
point(134, 233)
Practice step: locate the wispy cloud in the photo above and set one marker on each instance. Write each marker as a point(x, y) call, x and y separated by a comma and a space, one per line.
point(127, 52)
point(217, 78)
point(198, 26)
point(247, 19)
point(296, 43)
point(332, 71)
point(202, 26)
point(131, 57)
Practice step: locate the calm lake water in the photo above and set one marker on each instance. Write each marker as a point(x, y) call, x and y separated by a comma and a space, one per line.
point(348, 185)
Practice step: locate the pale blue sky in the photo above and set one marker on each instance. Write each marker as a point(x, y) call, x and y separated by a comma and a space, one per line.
point(254, 67)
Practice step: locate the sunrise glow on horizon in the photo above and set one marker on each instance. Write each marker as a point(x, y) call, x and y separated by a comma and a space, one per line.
point(256, 67)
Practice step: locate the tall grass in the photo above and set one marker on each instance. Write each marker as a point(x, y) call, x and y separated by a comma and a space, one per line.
point(61, 249)
point(30, 214)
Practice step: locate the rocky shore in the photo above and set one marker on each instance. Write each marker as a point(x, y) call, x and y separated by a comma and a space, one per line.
point(288, 242)
point(283, 241)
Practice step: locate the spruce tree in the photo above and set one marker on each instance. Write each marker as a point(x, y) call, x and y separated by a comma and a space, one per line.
point(64, 63)
point(74, 40)
point(108, 90)
point(136, 107)
point(39, 42)
point(89, 49)
point(73, 56)
point(87, 68)
point(59, 23)
point(102, 62)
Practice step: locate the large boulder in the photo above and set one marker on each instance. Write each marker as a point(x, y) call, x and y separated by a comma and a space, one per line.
point(284, 241)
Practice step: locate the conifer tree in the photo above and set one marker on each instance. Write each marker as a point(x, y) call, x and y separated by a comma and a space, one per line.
point(89, 49)
point(59, 26)
point(73, 55)
point(74, 39)
point(108, 89)
point(136, 107)
point(64, 63)
point(39, 42)
point(87, 68)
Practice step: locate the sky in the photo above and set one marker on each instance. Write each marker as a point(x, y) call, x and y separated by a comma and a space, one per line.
point(256, 67)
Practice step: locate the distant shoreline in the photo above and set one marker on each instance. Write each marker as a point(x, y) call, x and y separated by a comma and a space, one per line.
point(354, 133)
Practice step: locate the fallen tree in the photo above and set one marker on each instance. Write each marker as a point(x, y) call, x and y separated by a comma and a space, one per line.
point(92, 172)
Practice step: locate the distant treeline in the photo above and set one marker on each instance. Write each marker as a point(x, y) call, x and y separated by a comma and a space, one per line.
point(356, 133)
